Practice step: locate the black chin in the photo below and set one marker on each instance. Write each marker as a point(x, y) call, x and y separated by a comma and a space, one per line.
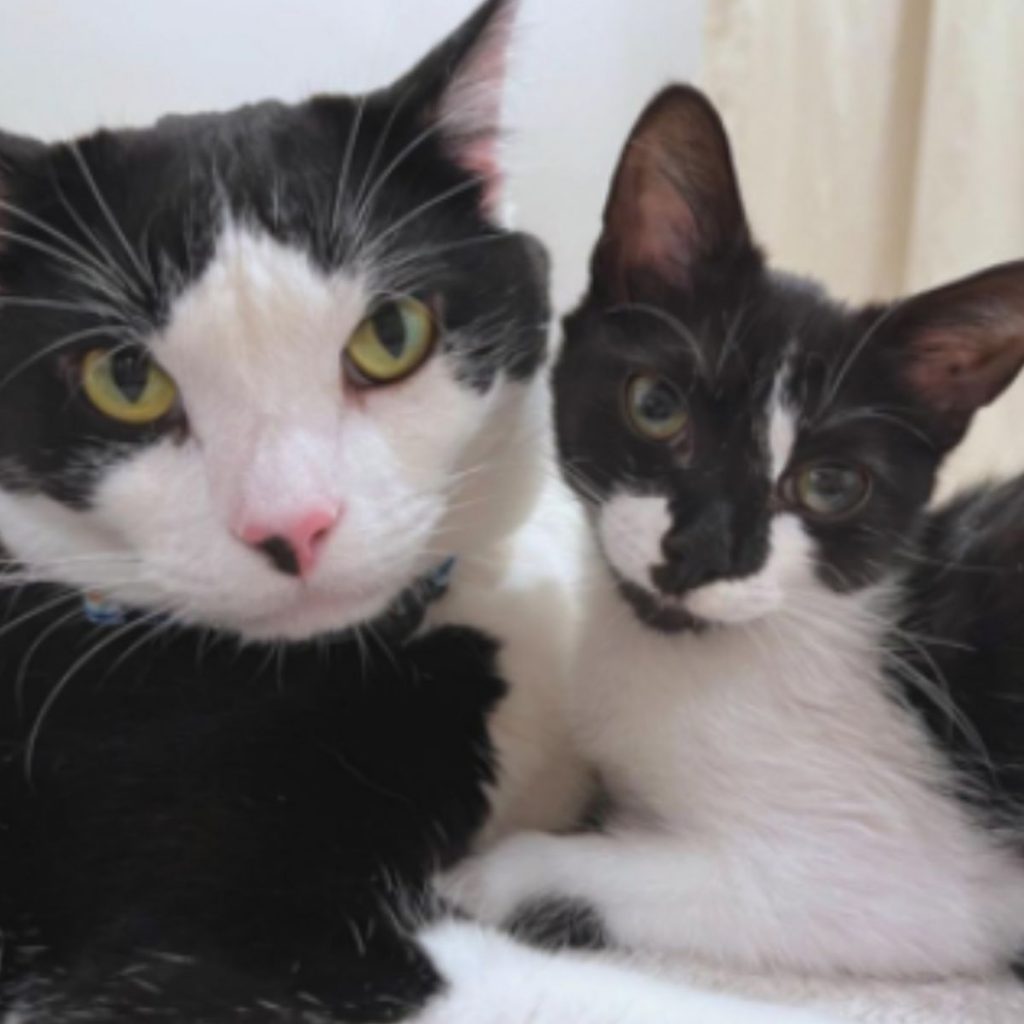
point(656, 614)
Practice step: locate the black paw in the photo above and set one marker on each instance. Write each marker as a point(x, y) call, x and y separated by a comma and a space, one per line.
point(558, 922)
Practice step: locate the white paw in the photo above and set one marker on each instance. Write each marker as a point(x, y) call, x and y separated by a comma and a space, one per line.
point(489, 887)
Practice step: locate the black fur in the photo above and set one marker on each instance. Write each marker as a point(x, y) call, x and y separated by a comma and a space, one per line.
point(559, 923)
point(963, 634)
point(194, 826)
point(705, 312)
point(303, 174)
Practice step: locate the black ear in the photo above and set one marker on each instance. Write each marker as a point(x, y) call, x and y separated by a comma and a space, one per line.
point(460, 85)
point(960, 346)
point(674, 210)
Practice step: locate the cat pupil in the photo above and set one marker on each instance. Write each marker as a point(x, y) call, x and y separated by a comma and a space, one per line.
point(130, 371)
point(659, 403)
point(833, 484)
point(389, 323)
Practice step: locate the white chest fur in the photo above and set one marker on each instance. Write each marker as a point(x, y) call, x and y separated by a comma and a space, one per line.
point(779, 747)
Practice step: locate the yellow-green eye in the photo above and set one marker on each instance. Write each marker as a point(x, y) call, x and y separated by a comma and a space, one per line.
point(126, 385)
point(828, 490)
point(655, 409)
point(392, 342)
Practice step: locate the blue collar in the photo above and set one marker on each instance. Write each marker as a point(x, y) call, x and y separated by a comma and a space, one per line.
point(430, 587)
point(102, 612)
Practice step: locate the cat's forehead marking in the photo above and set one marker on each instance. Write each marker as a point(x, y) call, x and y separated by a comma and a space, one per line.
point(262, 325)
point(782, 417)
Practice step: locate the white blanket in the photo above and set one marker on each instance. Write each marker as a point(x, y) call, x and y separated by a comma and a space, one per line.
point(957, 1001)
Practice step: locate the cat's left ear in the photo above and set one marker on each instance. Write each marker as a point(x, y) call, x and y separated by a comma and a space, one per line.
point(461, 88)
point(960, 346)
point(674, 220)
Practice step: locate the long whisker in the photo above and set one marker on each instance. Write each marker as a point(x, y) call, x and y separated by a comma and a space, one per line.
point(122, 280)
point(424, 207)
point(68, 340)
point(73, 247)
point(858, 348)
point(40, 609)
point(378, 149)
point(346, 166)
point(108, 215)
point(366, 205)
point(45, 249)
point(22, 677)
point(59, 306)
point(674, 324)
point(55, 693)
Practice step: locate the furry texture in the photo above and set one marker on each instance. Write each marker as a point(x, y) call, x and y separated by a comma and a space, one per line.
point(226, 801)
point(769, 588)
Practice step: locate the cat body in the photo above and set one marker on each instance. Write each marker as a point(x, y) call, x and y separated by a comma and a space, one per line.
point(801, 688)
point(271, 415)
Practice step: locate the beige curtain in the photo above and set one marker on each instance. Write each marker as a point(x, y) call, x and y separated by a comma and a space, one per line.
point(881, 147)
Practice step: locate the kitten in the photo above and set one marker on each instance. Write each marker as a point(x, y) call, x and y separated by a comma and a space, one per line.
point(803, 690)
point(263, 376)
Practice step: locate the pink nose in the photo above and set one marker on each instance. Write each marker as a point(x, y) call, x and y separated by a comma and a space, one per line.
point(293, 547)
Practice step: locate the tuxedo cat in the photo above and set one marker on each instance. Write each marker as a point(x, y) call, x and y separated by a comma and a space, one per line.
point(804, 691)
point(268, 379)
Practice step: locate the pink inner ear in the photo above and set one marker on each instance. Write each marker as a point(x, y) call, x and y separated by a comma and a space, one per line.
point(481, 159)
point(471, 108)
point(962, 369)
point(650, 228)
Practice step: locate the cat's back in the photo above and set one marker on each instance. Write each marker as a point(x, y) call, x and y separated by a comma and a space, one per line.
point(964, 629)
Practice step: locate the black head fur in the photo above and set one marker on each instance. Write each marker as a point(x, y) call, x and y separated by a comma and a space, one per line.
point(99, 236)
point(680, 292)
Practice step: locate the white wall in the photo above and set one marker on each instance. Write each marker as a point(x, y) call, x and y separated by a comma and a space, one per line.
point(582, 72)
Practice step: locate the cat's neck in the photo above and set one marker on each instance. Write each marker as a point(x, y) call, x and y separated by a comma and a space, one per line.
point(817, 643)
point(498, 483)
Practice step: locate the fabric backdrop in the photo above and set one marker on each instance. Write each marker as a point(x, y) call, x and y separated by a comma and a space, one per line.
point(881, 146)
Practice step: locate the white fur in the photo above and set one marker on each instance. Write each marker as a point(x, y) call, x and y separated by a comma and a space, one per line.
point(777, 807)
point(630, 528)
point(782, 431)
point(499, 982)
point(255, 347)
point(420, 471)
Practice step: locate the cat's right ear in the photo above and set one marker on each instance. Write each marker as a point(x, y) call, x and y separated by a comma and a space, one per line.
point(674, 213)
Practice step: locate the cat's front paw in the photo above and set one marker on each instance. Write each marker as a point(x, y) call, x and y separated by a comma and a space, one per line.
point(519, 871)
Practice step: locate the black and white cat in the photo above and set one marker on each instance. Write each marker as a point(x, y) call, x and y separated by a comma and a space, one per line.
point(804, 691)
point(263, 376)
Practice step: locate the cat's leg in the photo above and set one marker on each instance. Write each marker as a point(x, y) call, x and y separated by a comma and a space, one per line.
point(491, 978)
point(760, 907)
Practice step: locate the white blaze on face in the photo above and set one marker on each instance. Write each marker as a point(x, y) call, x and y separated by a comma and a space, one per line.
point(630, 529)
point(255, 347)
point(782, 431)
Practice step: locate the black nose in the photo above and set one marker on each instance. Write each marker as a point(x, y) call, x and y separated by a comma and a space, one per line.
point(281, 554)
point(696, 552)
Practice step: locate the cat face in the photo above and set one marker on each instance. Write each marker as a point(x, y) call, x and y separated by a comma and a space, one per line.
point(739, 439)
point(252, 365)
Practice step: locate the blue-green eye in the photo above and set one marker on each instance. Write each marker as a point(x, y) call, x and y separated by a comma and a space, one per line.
point(828, 490)
point(655, 409)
